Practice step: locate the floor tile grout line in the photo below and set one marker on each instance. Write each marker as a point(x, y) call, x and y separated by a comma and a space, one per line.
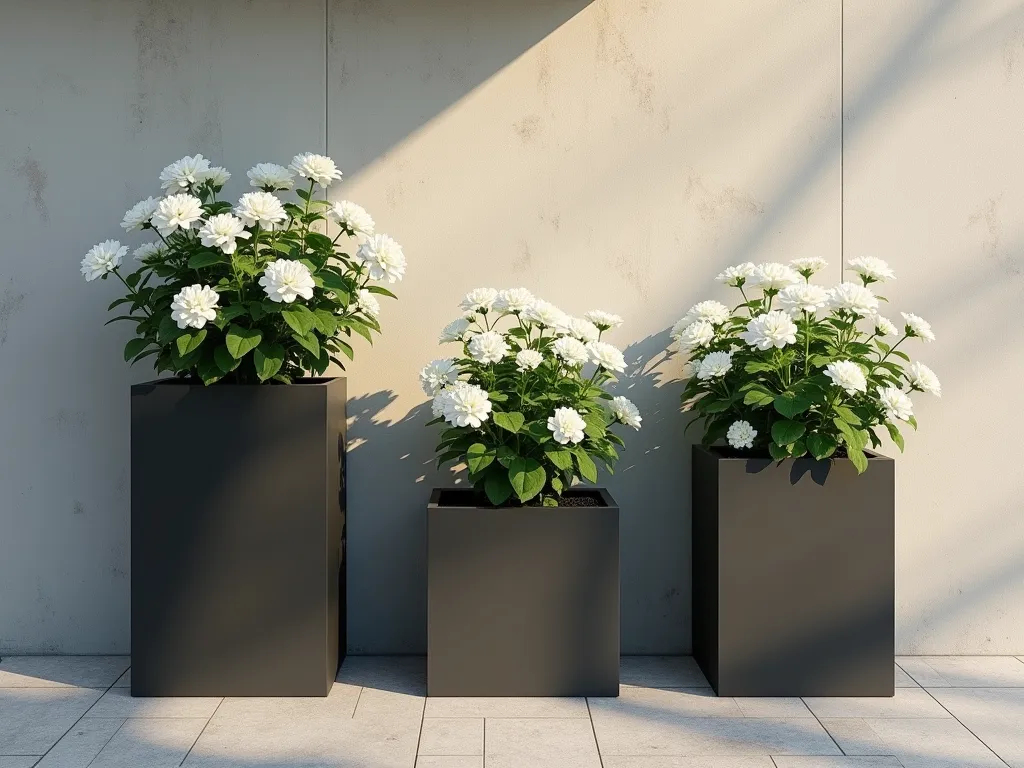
point(822, 725)
point(483, 762)
point(982, 741)
point(593, 729)
point(359, 697)
point(419, 736)
point(105, 743)
point(202, 730)
point(80, 717)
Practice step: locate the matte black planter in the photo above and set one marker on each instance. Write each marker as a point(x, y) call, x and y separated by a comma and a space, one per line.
point(794, 575)
point(522, 601)
point(238, 538)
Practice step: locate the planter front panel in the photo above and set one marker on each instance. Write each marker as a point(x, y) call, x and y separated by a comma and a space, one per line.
point(238, 510)
point(794, 576)
point(523, 602)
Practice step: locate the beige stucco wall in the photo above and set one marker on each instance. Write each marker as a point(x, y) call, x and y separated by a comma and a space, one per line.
point(611, 154)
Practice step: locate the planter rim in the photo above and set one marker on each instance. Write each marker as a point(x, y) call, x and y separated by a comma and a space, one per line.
point(711, 451)
point(435, 500)
point(318, 381)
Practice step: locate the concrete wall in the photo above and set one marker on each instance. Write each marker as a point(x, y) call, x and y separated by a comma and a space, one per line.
point(608, 154)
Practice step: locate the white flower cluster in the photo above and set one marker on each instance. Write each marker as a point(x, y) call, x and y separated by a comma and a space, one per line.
point(462, 405)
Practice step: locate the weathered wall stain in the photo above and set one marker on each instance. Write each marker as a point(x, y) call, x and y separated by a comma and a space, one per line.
point(1012, 49)
point(613, 47)
point(524, 260)
point(712, 205)
point(77, 508)
point(66, 422)
point(34, 175)
point(988, 218)
point(527, 129)
point(10, 303)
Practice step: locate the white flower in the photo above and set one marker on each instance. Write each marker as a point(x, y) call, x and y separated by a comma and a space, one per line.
point(773, 276)
point(479, 300)
point(698, 334)
point(808, 265)
point(513, 300)
point(177, 211)
point(738, 275)
point(603, 320)
point(488, 347)
point(456, 330)
point(383, 257)
point(318, 168)
point(194, 306)
point(353, 219)
point(102, 258)
point(139, 214)
point(466, 405)
point(895, 403)
point(853, 298)
point(285, 280)
point(803, 297)
point(715, 312)
point(606, 356)
point(714, 365)
point(741, 435)
point(772, 329)
point(528, 359)
point(437, 375)
point(917, 326)
point(367, 303)
point(625, 412)
point(885, 326)
point(584, 330)
point(221, 230)
point(215, 176)
point(546, 314)
point(182, 174)
point(847, 375)
point(922, 377)
point(260, 208)
point(148, 250)
point(270, 177)
point(871, 269)
point(571, 351)
point(567, 426)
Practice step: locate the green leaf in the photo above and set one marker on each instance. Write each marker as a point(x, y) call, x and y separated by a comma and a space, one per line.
point(134, 347)
point(527, 477)
point(206, 259)
point(208, 371)
point(797, 449)
point(821, 446)
point(359, 327)
point(310, 342)
point(596, 427)
point(757, 367)
point(854, 438)
point(587, 467)
point(560, 457)
point(224, 360)
point(133, 279)
point(240, 341)
point(785, 431)
point(268, 359)
point(381, 291)
point(506, 455)
point(790, 405)
point(479, 457)
point(497, 487)
point(847, 415)
point(894, 433)
point(912, 421)
point(168, 330)
point(326, 322)
point(320, 242)
point(189, 342)
point(512, 421)
point(758, 398)
point(335, 282)
point(299, 318)
point(227, 314)
point(713, 405)
point(858, 458)
point(777, 452)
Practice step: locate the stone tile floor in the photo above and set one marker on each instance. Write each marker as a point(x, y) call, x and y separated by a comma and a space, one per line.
point(948, 712)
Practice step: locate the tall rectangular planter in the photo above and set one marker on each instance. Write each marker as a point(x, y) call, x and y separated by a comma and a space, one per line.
point(522, 601)
point(238, 538)
point(794, 575)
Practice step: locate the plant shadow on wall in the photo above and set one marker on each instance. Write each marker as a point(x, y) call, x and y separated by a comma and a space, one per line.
point(425, 57)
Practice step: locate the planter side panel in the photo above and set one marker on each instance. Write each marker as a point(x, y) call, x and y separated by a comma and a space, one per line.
point(523, 602)
point(704, 562)
point(806, 578)
point(236, 539)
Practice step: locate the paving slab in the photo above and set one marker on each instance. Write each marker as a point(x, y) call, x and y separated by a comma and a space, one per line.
point(153, 743)
point(61, 671)
point(398, 674)
point(452, 736)
point(793, 761)
point(541, 743)
point(902, 679)
point(449, 761)
point(118, 702)
point(517, 707)
point(82, 743)
point(625, 761)
point(661, 672)
point(773, 707)
point(18, 761)
point(917, 742)
point(994, 715)
point(908, 702)
point(638, 703)
point(34, 719)
point(965, 671)
point(125, 680)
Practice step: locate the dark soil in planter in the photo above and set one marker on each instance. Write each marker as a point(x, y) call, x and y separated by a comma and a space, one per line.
point(470, 498)
point(728, 452)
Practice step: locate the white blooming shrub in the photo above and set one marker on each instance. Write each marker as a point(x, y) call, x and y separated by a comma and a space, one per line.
point(525, 398)
point(253, 291)
point(797, 369)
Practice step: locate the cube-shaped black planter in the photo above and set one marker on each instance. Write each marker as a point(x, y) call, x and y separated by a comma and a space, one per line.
point(238, 538)
point(522, 601)
point(793, 575)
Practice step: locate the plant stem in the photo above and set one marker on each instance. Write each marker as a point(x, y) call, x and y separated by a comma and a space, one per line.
point(132, 291)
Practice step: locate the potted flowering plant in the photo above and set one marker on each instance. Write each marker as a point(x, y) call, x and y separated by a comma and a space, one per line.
point(523, 567)
point(231, 300)
point(797, 380)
